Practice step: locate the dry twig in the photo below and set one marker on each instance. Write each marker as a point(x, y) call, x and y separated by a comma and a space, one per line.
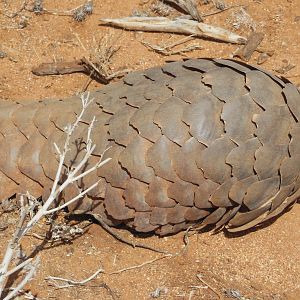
point(61, 283)
point(60, 68)
point(182, 26)
point(96, 64)
point(166, 49)
point(69, 282)
point(140, 265)
point(199, 276)
point(99, 57)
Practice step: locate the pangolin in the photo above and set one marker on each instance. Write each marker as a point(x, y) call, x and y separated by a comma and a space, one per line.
point(201, 141)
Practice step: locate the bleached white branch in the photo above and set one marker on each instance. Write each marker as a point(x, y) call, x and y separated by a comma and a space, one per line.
point(80, 195)
point(74, 174)
point(70, 282)
point(182, 26)
point(30, 274)
point(19, 266)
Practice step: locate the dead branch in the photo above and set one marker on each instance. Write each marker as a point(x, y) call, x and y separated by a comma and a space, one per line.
point(55, 281)
point(189, 7)
point(9, 255)
point(166, 49)
point(182, 26)
point(30, 274)
point(98, 70)
point(199, 276)
point(59, 68)
point(83, 65)
point(69, 282)
point(96, 64)
point(140, 265)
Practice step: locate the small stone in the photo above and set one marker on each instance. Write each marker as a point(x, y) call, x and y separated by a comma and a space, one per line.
point(159, 292)
point(2, 54)
point(220, 5)
point(23, 23)
point(263, 57)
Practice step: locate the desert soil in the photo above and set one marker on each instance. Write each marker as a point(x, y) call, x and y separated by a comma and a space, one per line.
point(260, 264)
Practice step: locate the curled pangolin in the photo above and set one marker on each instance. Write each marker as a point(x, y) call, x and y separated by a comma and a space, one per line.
point(199, 141)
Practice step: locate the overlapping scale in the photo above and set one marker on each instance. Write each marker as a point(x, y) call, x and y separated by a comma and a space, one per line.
point(215, 142)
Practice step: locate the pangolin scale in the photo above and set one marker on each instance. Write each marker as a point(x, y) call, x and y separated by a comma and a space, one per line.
point(200, 141)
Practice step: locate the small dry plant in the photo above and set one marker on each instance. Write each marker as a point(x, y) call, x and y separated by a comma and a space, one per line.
point(32, 211)
point(241, 19)
point(98, 56)
point(105, 48)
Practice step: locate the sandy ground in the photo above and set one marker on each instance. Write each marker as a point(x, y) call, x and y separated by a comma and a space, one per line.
point(261, 264)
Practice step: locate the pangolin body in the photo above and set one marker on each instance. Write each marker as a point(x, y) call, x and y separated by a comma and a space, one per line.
point(198, 141)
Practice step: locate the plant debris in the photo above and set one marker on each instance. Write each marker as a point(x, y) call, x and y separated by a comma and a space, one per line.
point(3, 54)
point(161, 9)
point(96, 63)
point(38, 7)
point(160, 291)
point(286, 66)
point(166, 49)
point(262, 58)
point(183, 26)
point(253, 42)
point(241, 19)
point(189, 7)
